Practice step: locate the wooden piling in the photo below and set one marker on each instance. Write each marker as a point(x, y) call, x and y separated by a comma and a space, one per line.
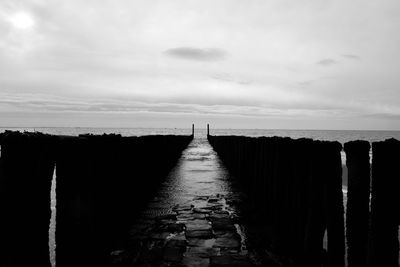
point(103, 183)
point(385, 203)
point(295, 188)
point(74, 212)
point(26, 171)
point(358, 195)
point(334, 204)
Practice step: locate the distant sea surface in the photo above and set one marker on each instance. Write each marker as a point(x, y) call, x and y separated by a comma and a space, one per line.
point(332, 135)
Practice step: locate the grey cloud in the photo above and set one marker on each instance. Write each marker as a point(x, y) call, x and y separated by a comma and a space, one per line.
point(230, 78)
point(383, 116)
point(349, 56)
point(200, 106)
point(327, 62)
point(198, 54)
point(306, 83)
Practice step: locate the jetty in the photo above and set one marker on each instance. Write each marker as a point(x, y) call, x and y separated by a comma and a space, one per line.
point(186, 200)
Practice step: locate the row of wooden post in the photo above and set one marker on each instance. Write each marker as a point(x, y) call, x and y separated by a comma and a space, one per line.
point(102, 183)
point(295, 187)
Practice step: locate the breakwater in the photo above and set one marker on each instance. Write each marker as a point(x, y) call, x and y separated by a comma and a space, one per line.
point(103, 183)
point(294, 189)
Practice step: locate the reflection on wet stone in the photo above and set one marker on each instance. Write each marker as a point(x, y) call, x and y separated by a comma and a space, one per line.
point(190, 222)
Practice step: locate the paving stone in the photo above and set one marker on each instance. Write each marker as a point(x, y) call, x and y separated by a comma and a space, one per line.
point(201, 210)
point(228, 240)
point(201, 198)
point(223, 242)
point(214, 200)
point(152, 255)
point(213, 207)
point(193, 261)
point(203, 252)
point(170, 216)
point(224, 233)
point(199, 216)
point(198, 242)
point(165, 221)
point(174, 227)
point(205, 234)
point(224, 224)
point(230, 260)
point(215, 216)
point(185, 218)
point(174, 254)
point(221, 212)
point(169, 227)
point(229, 251)
point(181, 208)
point(159, 236)
point(178, 243)
point(198, 225)
point(185, 212)
point(178, 236)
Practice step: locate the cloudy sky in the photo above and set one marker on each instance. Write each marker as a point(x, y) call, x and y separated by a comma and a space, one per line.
point(316, 64)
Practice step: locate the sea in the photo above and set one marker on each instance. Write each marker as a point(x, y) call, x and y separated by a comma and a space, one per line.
point(341, 136)
point(332, 135)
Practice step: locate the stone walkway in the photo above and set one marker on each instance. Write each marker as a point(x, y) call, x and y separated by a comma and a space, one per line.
point(192, 221)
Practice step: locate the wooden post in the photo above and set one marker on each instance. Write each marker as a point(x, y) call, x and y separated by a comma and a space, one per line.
point(26, 171)
point(384, 243)
point(357, 212)
point(208, 129)
point(192, 129)
point(334, 204)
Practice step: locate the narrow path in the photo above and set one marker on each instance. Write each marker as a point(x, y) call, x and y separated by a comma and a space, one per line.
point(192, 221)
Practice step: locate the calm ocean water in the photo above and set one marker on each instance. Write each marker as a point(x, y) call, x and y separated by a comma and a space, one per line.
point(332, 135)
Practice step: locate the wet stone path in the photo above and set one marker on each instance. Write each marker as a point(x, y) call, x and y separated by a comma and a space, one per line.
point(193, 220)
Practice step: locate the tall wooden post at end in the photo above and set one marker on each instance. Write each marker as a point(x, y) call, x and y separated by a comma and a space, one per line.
point(193, 129)
point(208, 129)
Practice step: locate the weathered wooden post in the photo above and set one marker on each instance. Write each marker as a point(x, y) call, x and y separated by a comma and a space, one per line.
point(334, 204)
point(316, 213)
point(358, 192)
point(193, 130)
point(208, 129)
point(302, 183)
point(26, 171)
point(74, 204)
point(385, 201)
point(302, 173)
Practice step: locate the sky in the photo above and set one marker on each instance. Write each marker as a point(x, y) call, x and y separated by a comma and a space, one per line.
point(303, 64)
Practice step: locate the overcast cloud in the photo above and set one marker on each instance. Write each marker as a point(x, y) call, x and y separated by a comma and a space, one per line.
point(211, 54)
point(234, 63)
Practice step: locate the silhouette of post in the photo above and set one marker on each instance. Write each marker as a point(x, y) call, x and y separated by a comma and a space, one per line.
point(208, 129)
point(26, 171)
point(193, 129)
point(334, 204)
point(384, 243)
point(357, 212)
